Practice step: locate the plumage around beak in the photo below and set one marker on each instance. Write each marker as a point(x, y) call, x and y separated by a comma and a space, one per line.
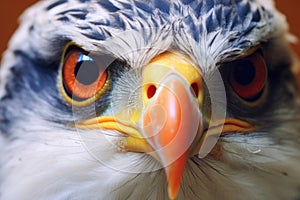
point(169, 125)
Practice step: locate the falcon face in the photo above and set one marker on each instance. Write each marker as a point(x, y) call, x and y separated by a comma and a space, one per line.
point(149, 100)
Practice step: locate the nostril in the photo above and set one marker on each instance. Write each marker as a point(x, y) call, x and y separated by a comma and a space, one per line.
point(195, 89)
point(151, 91)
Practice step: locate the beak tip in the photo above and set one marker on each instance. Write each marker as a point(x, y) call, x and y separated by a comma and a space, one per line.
point(172, 193)
point(173, 187)
point(174, 174)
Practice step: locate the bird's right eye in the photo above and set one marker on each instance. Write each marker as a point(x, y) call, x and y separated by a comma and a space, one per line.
point(84, 76)
point(248, 76)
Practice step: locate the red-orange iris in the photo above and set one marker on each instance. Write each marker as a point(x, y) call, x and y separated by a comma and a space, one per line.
point(83, 77)
point(248, 76)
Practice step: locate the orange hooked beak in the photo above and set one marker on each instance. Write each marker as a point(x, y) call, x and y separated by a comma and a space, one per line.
point(168, 124)
point(172, 95)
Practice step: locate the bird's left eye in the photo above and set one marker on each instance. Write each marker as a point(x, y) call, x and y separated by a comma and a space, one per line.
point(84, 77)
point(248, 76)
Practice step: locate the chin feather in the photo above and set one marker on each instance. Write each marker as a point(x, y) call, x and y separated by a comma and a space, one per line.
point(63, 164)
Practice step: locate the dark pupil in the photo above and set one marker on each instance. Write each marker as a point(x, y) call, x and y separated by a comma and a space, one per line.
point(244, 73)
point(86, 70)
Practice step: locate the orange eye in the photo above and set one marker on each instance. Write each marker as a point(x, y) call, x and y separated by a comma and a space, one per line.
point(248, 76)
point(83, 76)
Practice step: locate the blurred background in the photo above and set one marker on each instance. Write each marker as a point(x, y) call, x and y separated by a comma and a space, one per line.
point(10, 11)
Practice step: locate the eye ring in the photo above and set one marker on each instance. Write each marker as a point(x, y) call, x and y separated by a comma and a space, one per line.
point(82, 79)
point(248, 77)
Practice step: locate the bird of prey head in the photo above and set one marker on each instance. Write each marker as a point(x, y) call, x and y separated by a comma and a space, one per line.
point(157, 99)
